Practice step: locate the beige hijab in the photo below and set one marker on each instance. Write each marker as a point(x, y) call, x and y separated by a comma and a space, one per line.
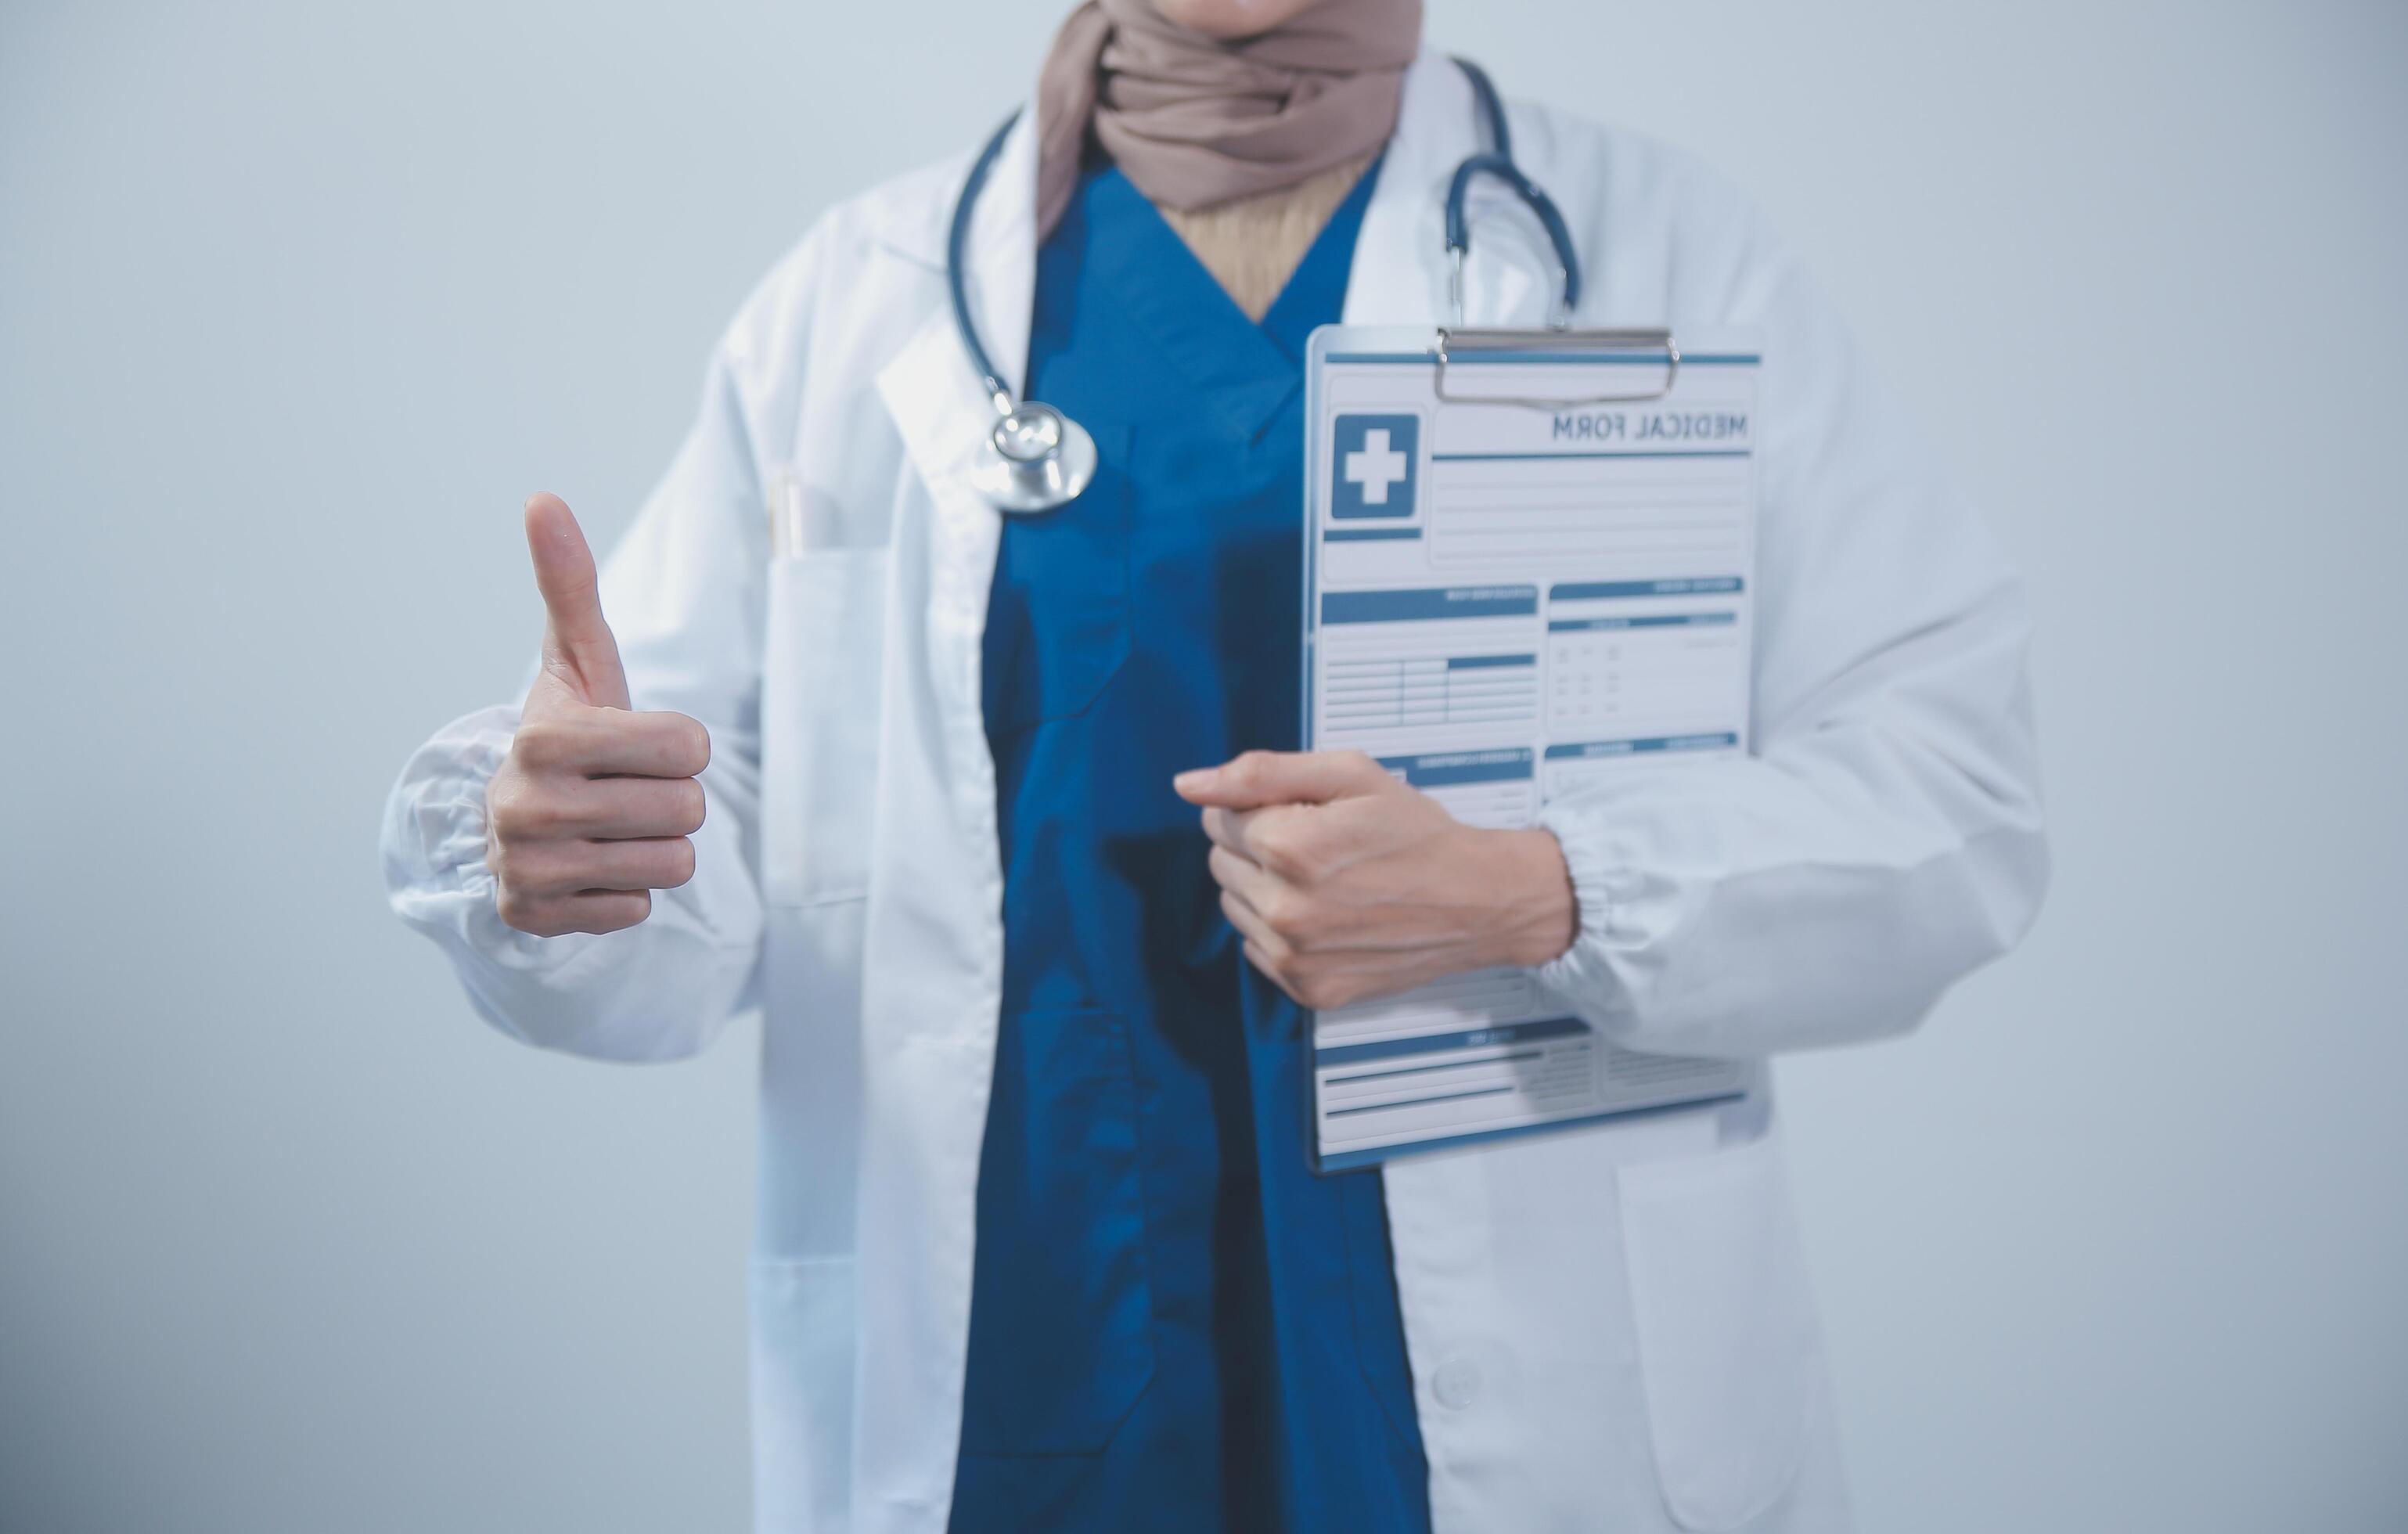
point(1194, 122)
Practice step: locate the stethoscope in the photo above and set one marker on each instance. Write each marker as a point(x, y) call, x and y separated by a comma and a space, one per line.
point(1036, 458)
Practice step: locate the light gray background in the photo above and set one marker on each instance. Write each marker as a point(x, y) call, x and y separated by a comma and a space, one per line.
point(296, 302)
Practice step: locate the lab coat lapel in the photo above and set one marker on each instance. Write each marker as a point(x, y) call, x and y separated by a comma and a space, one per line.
point(943, 415)
point(932, 968)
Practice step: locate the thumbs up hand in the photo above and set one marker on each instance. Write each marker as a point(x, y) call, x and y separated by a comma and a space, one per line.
point(592, 809)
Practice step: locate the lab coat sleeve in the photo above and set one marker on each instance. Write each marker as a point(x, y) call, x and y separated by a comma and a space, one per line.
point(684, 593)
point(1884, 837)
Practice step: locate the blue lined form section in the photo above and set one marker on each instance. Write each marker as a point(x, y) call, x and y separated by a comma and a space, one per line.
point(1398, 1073)
point(1559, 359)
point(1584, 591)
point(1341, 1161)
point(1379, 692)
point(1447, 1088)
point(1440, 1096)
point(1478, 663)
point(1504, 1033)
point(1588, 452)
point(1581, 750)
point(1398, 607)
point(1660, 620)
point(1447, 769)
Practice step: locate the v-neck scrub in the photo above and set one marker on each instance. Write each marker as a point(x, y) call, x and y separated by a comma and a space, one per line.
point(1174, 1325)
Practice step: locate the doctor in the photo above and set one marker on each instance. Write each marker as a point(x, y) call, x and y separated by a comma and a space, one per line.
point(999, 823)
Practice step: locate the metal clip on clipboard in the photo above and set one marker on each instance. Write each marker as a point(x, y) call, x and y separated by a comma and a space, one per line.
point(1558, 336)
point(1556, 340)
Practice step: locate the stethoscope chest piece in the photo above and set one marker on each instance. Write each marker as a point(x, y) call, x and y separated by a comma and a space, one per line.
point(1034, 460)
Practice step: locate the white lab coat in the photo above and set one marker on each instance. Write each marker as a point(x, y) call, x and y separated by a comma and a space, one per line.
point(1608, 1330)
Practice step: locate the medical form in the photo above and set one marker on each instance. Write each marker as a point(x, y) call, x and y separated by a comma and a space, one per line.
point(1528, 564)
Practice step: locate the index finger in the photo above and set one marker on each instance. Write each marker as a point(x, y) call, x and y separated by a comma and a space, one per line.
point(1257, 777)
point(621, 743)
point(1232, 829)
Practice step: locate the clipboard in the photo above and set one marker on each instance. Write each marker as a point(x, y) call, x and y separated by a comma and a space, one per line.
point(1529, 562)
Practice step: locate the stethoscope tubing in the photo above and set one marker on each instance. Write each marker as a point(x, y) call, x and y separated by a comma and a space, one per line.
point(958, 238)
point(1496, 161)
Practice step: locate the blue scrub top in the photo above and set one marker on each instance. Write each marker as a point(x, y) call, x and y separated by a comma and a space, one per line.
point(1174, 1325)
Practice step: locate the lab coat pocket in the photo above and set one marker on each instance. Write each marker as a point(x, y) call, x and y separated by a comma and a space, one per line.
point(820, 696)
point(1726, 1328)
point(803, 1324)
point(1062, 1325)
point(1058, 620)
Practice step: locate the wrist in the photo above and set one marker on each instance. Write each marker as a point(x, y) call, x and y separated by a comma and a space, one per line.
point(1542, 915)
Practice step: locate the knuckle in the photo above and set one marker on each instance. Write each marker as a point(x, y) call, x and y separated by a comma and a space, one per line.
point(519, 811)
point(535, 869)
point(1286, 912)
point(1319, 991)
point(1272, 846)
point(680, 864)
point(1308, 861)
point(623, 914)
point(693, 746)
point(539, 744)
point(503, 815)
point(1227, 867)
point(1234, 911)
point(1220, 827)
point(522, 914)
point(1290, 851)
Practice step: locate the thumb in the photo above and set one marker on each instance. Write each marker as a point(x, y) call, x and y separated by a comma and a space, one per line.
point(1261, 778)
point(577, 644)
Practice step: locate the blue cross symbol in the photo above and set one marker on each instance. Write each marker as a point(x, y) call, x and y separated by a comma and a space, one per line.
point(1375, 466)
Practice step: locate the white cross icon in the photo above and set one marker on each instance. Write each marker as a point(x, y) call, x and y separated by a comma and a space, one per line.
point(1375, 466)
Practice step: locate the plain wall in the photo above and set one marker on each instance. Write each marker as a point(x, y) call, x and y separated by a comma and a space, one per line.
point(298, 301)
